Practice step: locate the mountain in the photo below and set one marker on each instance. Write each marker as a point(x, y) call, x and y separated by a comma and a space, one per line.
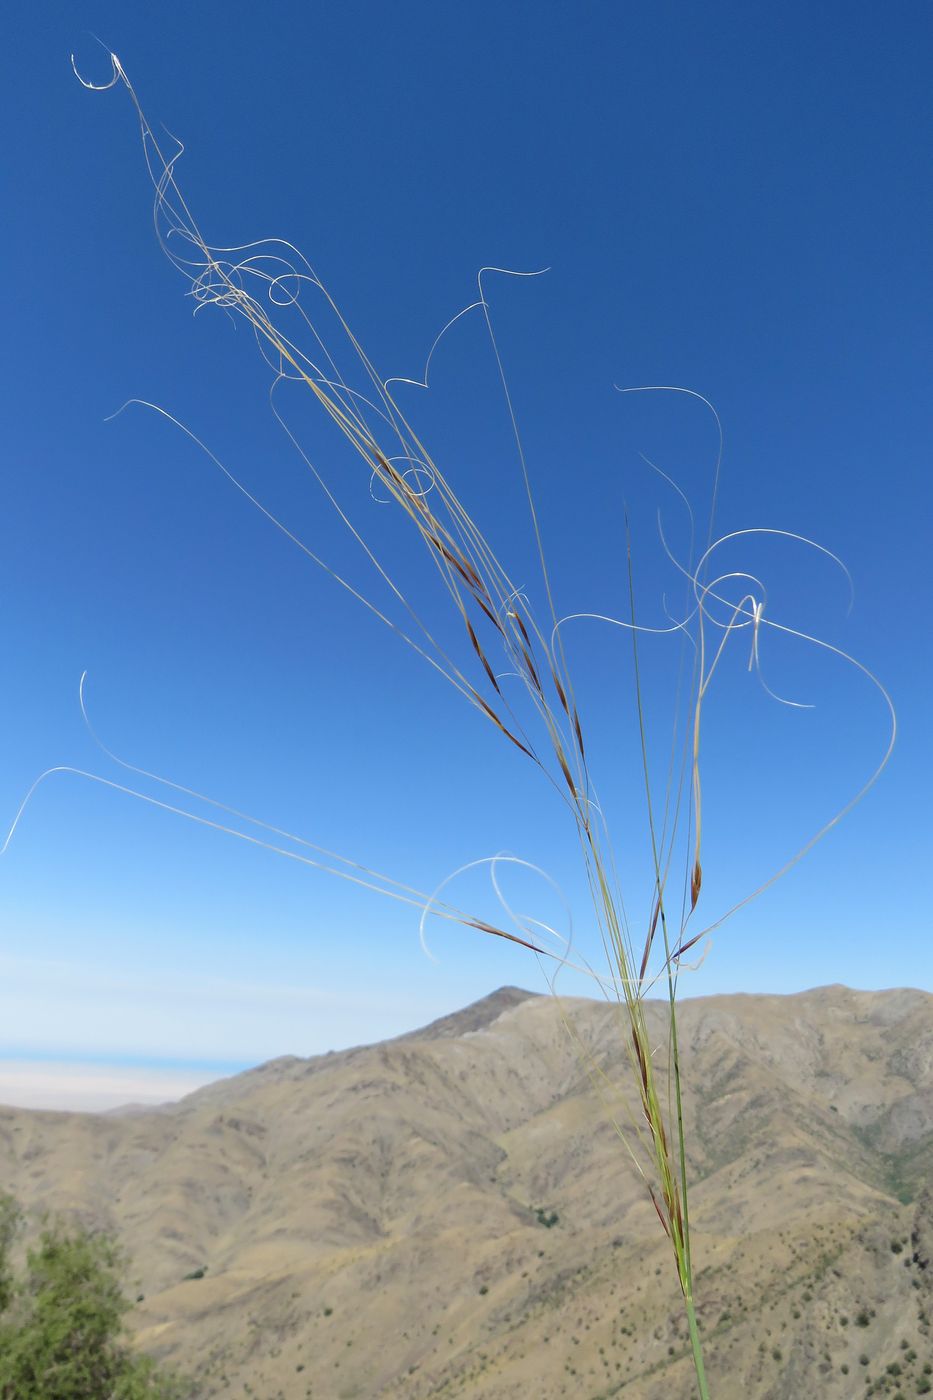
point(452, 1213)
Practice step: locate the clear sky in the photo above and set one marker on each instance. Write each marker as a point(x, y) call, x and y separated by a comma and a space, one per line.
point(732, 198)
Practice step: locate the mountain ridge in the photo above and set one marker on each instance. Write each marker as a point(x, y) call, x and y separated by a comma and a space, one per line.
point(375, 1216)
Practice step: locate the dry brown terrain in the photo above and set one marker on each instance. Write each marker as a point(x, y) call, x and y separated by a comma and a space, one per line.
point(368, 1220)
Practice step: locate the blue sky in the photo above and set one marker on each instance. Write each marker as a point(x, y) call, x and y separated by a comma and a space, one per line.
point(734, 199)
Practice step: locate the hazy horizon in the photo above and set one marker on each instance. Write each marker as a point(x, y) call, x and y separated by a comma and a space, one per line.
point(81, 1082)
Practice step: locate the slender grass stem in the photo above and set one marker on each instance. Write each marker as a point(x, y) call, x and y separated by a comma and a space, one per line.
point(697, 1349)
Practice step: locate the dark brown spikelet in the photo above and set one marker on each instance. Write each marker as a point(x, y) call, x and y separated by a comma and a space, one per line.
point(517, 742)
point(501, 933)
point(654, 1202)
point(479, 652)
point(463, 566)
point(658, 1128)
point(656, 1124)
point(652, 929)
point(567, 774)
point(685, 947)
point(521, 627)
point(696, 881)
point(560, 691)
point(386, 468)
point(531, 668)
point(676, 1214)
point(478, 584)
point(434, 539)
point(487, 709)
point(579, 732)
point(642, 1071)
point(460, 565)
point(491, 615)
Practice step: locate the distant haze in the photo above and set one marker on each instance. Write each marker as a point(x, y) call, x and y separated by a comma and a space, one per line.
point(72, 1085)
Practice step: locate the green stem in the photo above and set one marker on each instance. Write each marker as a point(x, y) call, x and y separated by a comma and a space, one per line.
point(697, 1349)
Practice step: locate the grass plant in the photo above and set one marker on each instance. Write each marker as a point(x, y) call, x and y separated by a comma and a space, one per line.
point(507, 660)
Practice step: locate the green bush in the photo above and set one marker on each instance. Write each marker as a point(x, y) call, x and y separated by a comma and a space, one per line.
point(62, 1333)
point(9, 1222)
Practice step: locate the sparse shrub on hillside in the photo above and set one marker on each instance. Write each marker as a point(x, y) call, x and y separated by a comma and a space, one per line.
point(9, 1223)
point(62, 1331)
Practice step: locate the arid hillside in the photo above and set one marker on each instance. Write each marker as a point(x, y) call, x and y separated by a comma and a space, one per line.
point(452, 1213)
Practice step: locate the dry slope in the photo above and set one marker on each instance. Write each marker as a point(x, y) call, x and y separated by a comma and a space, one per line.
point(449, 1214)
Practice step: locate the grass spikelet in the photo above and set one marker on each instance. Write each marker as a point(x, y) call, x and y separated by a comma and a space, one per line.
point(482, 656)
point(696, 882)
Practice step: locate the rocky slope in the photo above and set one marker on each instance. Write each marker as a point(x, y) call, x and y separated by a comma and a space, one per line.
point(453, 1214)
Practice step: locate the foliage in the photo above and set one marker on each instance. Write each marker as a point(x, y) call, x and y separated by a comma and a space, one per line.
point(62, 1333)
point(9, 1223)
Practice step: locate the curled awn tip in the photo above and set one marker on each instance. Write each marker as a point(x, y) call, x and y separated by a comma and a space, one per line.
point(422, 383)
point(117, 73)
